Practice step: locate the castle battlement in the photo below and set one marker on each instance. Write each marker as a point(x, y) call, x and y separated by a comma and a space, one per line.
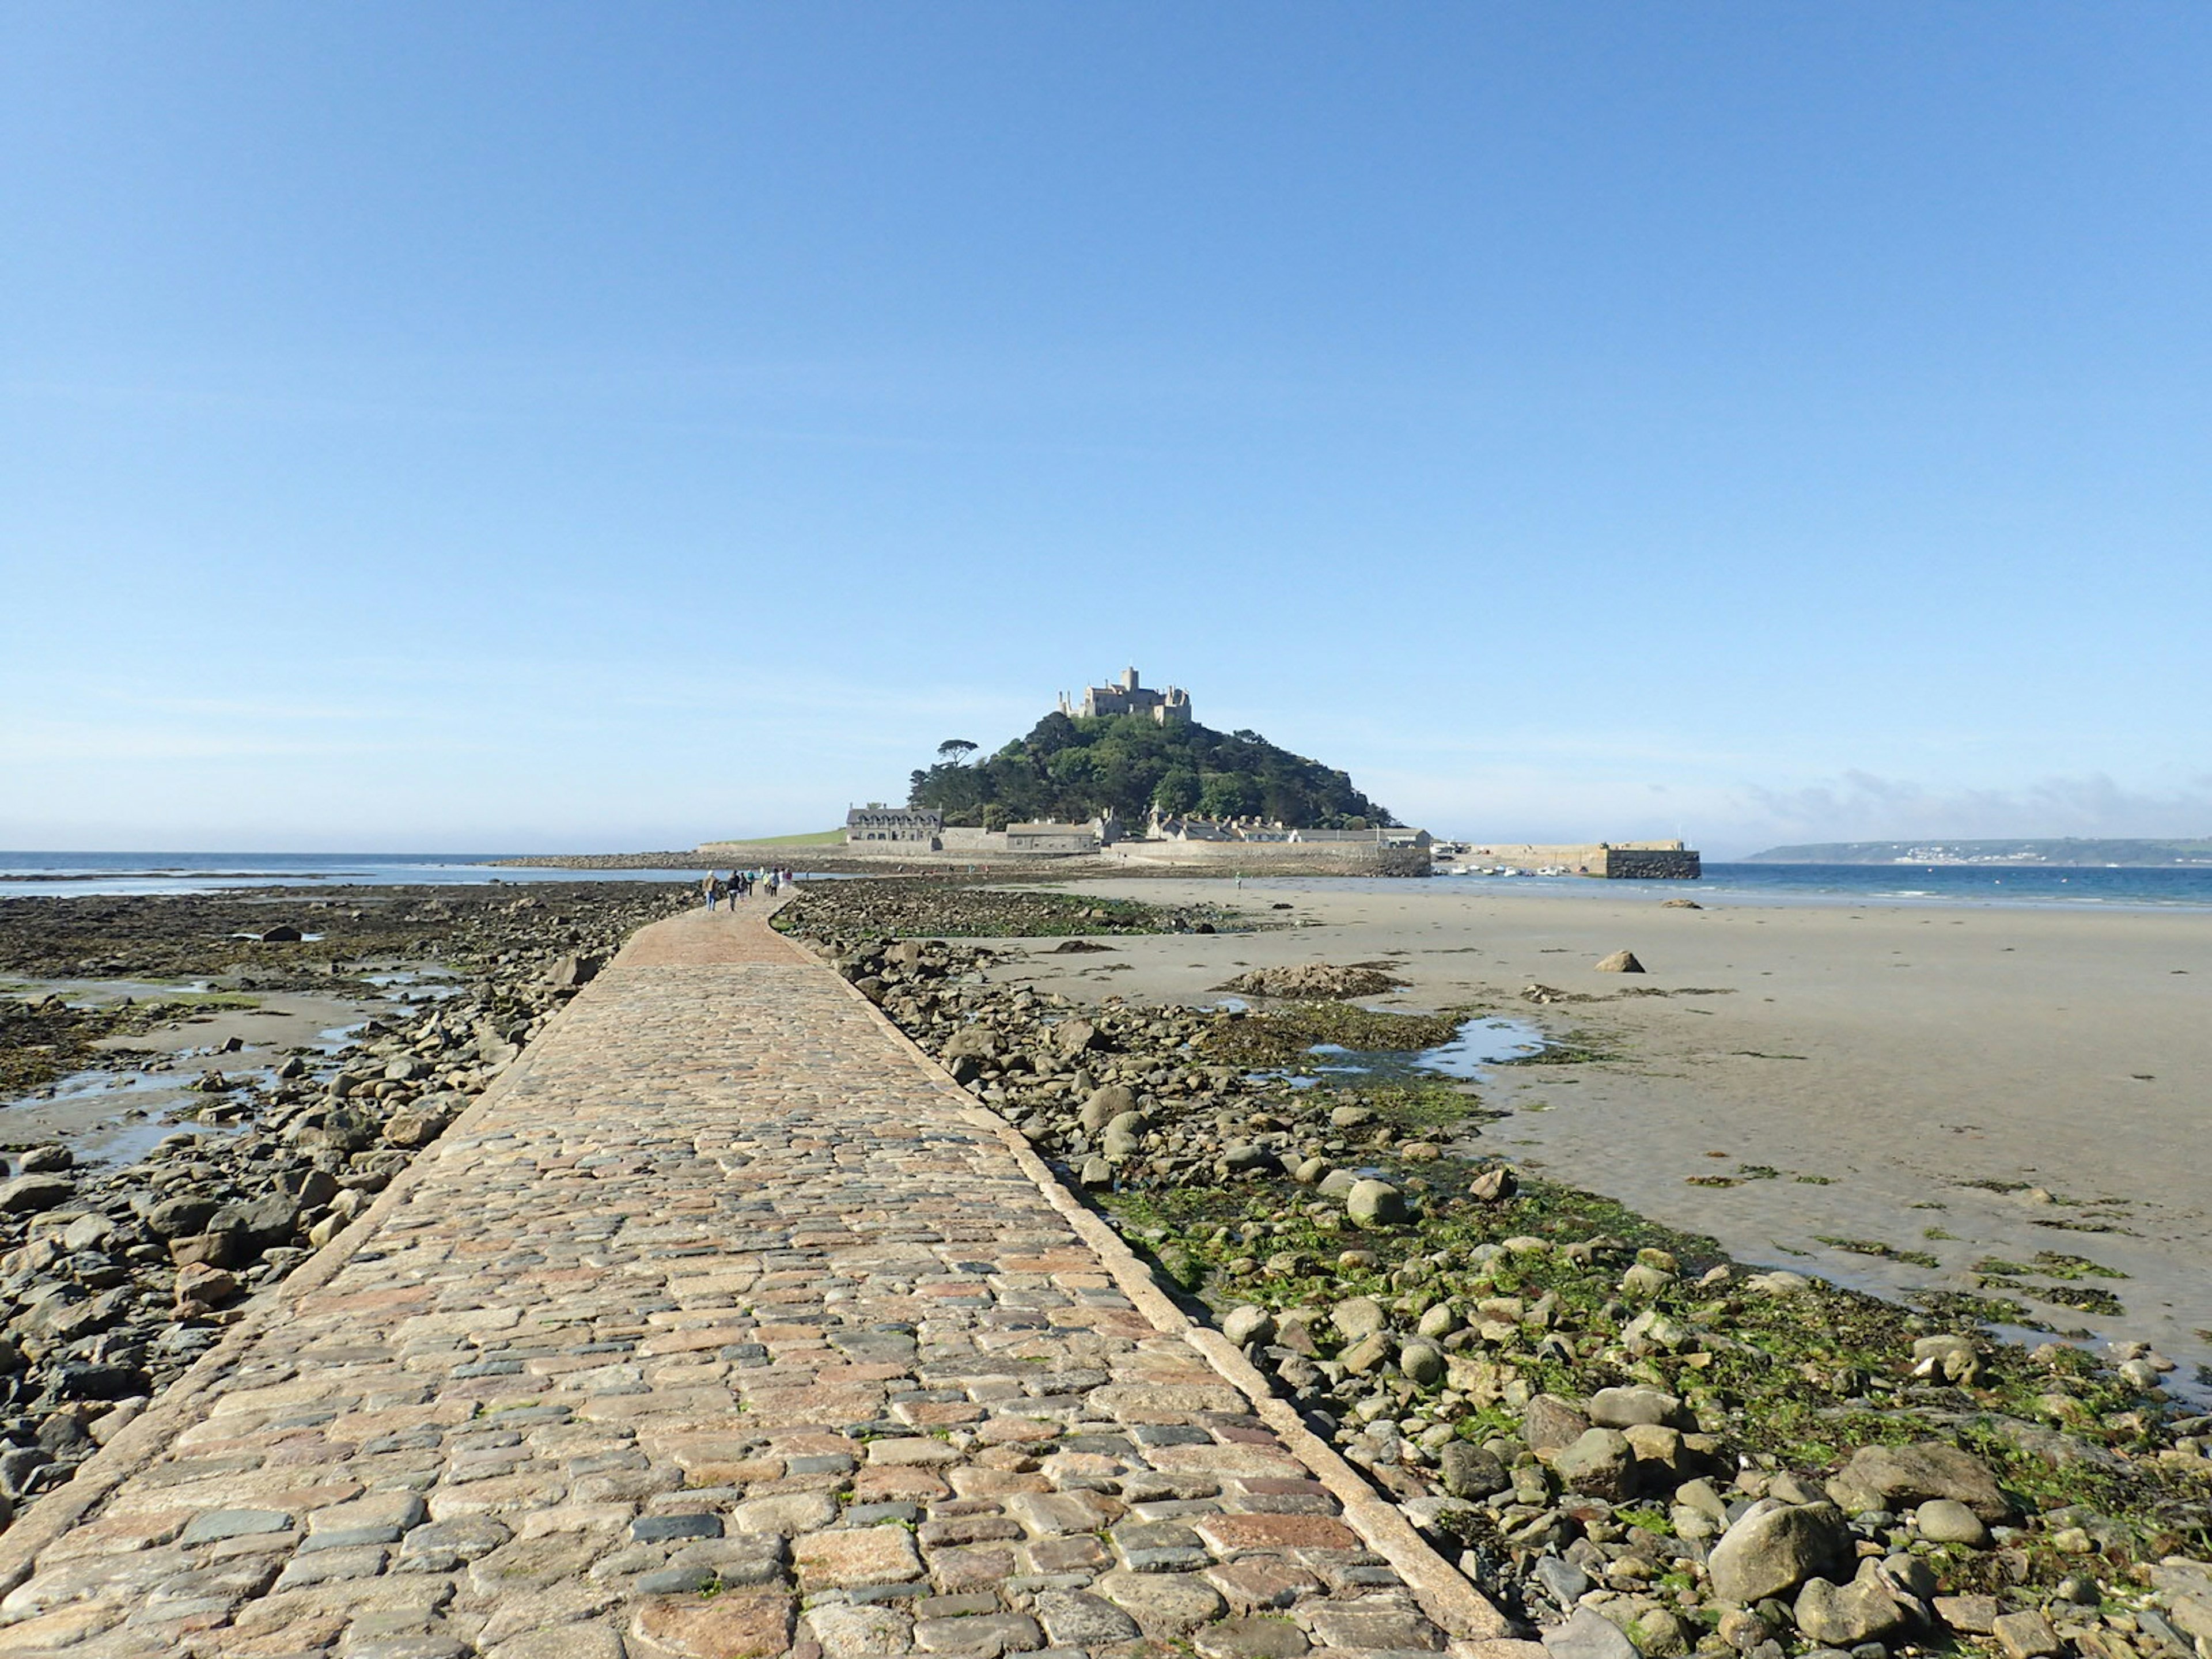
point(1169, 707)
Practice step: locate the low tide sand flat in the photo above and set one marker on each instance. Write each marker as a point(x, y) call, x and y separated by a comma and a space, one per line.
point(723, 1325)
point(1966, 1084)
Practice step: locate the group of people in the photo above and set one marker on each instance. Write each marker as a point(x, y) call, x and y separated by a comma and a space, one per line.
point(714, 887)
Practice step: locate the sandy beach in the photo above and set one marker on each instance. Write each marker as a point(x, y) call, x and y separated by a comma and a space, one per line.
point(1966, 1084)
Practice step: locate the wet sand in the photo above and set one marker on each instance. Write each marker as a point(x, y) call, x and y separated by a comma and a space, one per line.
point(1853, 1067)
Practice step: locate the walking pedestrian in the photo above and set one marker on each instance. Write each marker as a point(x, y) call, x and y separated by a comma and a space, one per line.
point(710, 886)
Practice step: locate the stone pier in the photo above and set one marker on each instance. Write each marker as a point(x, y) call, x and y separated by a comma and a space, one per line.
point(725, 1326)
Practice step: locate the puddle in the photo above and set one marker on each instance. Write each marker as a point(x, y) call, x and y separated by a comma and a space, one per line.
point(1481, 1042)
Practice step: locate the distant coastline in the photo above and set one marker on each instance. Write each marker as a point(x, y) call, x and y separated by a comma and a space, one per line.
point(2070, 852)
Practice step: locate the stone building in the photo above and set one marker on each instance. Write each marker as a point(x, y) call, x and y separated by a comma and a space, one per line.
point(1170, 706)
point(877, 822)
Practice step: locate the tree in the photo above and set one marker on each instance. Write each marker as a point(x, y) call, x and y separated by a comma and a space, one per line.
point(954, 750)
point(1228, 795)
point(1177, 792)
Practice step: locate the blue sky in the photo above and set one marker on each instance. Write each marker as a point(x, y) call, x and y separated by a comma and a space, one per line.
point(547, 426)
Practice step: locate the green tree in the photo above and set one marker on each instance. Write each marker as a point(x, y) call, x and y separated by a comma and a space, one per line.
point(1177, 794)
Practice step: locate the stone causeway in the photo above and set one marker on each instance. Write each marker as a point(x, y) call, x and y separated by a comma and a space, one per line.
point(724, 1326)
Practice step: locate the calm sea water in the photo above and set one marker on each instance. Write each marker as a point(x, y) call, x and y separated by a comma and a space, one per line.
point(1912, 884)
point(56, 875)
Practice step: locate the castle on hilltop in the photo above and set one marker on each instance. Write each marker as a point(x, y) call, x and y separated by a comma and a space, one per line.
point(1126, 697)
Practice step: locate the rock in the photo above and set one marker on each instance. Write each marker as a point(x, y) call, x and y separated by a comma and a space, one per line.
point(1315, 982)
point(1845, 1615)
point(1896, 1478)
point(283, 933)
point(1588, 1635)
point(573, 970)
point(1248, 1324)
point(1598, 1463)
point(1422, 1362)
point(175, 1217)
point(1438, 1322)
point(1165, 1604)
point(2025, 1635)
point(270, 1219)
point(1773, 1547)
point(1620, 961)
point(1643, 1281)
point(201, 1290)
point(1493, 1186)
point(979, 1042)
point(410, 1129)
point(1373, 1203)
point(1780, 1282)
point(44, 1159)
point(1954, 1358)
point(1946, 1520)
point(1075, 1036)
point(1621, 1408)
point(1550, 1422)
point(1370, 1354)
point(1104, 1105)
point(1976, 1616)
point(1096, 1172)
point(1470, 1471)
point(340, 1127)
point(1563, 1581)
point(27, 1194)
point(1357, 1317)
point(1074, 1620)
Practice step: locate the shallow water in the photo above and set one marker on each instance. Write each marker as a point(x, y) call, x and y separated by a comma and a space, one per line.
point(1481, 1042)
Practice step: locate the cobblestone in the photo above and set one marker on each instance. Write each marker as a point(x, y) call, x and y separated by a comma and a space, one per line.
point(721, 1300)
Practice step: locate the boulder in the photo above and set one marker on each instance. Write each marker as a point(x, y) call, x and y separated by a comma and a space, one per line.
point(1357, 1317)
point(976, 1042)
point(1588, 1635)
point(1075, 1036)
point(1422, 1362)
point(202, 1289)
point(1104, 1105)
point(1845, 1615)
point(1621, 1408)
point(1470, 1471)
point(283, 933)
point(1946, 1520)
point(1247, 1324)
point(2026, 1635)
point(1620, 961)
point(1373, 1203)
point(1598, 1463)
point(1774, 1547)
point(178, 1217)
point(1898, 1478)
point(1550, 1422)
point(27, 1194)
point(1493, 1186)
point(573, 970)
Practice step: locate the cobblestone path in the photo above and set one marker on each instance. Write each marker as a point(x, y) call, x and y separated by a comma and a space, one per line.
point(723, 1326)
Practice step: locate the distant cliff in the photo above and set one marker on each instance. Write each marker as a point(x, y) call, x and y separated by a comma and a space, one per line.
point(2065, 850)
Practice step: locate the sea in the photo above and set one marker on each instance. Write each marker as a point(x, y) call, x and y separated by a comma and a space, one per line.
point(2151, 887)
point(58, 875)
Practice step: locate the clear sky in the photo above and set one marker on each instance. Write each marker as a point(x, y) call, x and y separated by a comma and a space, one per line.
point(546, 426)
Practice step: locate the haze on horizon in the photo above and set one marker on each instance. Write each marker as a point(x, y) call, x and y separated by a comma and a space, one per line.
point(551, 428)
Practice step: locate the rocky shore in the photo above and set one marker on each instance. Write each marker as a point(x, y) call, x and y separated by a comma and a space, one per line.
point(1629, 1440)
point(114, 1278)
